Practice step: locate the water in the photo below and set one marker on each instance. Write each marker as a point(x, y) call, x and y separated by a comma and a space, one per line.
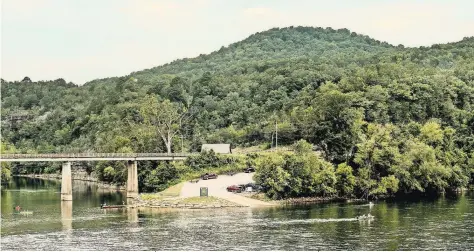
point(441, 224)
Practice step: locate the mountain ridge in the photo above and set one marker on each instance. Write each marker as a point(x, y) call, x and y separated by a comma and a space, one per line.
point(259, 36)
point(341, 92)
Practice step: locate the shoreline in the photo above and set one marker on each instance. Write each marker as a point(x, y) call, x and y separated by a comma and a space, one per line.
point(304, 200)
point(180, 203)
point(183, 203)
point(58, 177)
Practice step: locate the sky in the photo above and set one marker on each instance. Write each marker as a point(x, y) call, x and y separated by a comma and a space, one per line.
point(83, 40)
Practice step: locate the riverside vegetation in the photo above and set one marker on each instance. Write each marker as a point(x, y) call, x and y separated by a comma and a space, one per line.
point(385, 119)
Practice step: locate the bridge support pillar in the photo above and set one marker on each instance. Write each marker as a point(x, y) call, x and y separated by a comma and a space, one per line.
point(66, 182)
point(132, 180)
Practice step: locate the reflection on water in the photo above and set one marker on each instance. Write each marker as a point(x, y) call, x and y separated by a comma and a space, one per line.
point(43, 198)
point(66, 215)
point(132, 215)
point(441, 224)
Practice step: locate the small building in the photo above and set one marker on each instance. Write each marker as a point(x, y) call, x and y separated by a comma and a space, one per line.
point(217, 148)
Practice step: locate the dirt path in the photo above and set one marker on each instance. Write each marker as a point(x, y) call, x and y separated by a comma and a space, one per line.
point(217, 187)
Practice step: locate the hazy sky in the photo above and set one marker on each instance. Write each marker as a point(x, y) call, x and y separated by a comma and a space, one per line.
point(82, 40)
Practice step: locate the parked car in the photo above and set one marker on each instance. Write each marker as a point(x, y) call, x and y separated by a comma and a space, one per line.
point(208, 176)
point(249, 169)
point(235, 188)
point(255, 187)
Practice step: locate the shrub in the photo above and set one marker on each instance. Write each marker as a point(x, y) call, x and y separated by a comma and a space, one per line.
point(109, 174)
point(302, 147)
point(165, 175)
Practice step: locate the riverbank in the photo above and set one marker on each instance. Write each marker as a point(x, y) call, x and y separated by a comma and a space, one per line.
point(301, 200)
point(75, 176)
point(244, 199)
point(184, 203)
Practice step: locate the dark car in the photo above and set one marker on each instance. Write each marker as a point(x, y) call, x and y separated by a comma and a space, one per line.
point(255, 187)
point(249, 169)
point(235, 188)
point(208, 176)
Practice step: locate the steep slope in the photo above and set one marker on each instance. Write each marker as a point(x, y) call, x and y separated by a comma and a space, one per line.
point(238, 90)
point(274, 45)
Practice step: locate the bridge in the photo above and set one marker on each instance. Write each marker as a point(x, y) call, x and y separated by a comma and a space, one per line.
point(67, 158)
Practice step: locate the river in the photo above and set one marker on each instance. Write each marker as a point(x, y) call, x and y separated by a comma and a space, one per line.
point(438, 224)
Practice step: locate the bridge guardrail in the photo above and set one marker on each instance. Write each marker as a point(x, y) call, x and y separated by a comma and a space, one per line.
point(95, 155)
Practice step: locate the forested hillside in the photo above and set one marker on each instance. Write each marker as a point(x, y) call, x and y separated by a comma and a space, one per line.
point(362, 103)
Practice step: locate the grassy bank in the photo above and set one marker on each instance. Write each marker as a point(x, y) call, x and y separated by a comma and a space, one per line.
point(173, 191)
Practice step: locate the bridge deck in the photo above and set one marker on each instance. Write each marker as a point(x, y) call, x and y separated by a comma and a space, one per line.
point(57, 157)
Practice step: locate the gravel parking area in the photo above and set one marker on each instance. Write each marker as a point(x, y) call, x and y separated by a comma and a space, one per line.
point(217, 187)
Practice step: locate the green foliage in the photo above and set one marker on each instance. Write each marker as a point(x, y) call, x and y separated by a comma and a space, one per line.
point(271, 176)
point(209, 159)
point(387, 185)
point(345, 180)
point(52, 168)
point(166, 117)
point(431, 133)
point(302, 147)
point(295, 175)
point(392, 160)
point(109, 173)
point(400, 117)
point(6, 148)
point(166, 174)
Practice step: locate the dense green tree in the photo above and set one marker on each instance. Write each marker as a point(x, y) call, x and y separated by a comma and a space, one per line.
point(304, 174)
point(346, 181)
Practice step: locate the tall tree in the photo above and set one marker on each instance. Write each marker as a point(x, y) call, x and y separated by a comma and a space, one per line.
point(168, 118)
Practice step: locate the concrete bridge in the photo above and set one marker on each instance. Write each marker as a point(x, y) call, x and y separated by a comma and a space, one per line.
point(67, 158)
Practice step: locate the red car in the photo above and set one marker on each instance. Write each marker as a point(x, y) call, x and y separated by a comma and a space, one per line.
point(235, 188)
point(208, 176)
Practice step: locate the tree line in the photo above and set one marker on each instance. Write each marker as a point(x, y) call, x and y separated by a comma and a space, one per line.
point(396, 118)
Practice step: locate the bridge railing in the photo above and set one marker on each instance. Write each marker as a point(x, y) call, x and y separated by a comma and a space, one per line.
point(94, 155)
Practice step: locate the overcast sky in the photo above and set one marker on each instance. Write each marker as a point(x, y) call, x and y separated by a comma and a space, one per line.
point(82, 40)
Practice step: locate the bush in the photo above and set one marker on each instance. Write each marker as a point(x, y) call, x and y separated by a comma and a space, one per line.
point(109, 174)
point(209, 159)
point(302, 147)
point(166, 174)
point(295, 176)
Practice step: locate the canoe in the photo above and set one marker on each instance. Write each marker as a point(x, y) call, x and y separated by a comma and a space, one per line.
point(24, 212)
point(112, 206)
